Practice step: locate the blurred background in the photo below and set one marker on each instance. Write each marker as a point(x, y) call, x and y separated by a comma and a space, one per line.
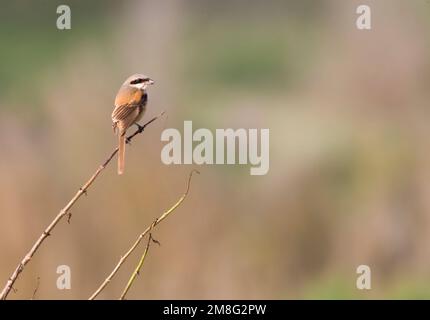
point(348, 113)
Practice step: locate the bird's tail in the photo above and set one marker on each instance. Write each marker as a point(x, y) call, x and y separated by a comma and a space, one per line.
point(121, 152)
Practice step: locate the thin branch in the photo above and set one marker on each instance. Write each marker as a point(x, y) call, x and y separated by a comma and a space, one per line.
point(140, 237)
point(47, 232)
point(35, 289)
point(137, 270)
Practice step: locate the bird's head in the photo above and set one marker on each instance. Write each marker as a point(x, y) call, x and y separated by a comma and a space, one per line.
point(138, 81)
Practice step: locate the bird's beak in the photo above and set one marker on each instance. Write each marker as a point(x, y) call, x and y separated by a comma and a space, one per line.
point(150, 81)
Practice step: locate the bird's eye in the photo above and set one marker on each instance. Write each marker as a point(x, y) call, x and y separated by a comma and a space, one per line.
point(140, 80)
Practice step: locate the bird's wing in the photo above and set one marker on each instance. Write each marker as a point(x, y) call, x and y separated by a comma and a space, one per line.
point(124, 116)
point(122, 112)
point(126, 110)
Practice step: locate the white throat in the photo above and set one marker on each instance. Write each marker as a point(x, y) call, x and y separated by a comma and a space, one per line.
point(140, 86)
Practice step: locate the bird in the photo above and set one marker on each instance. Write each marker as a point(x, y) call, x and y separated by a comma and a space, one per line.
point(130, 105)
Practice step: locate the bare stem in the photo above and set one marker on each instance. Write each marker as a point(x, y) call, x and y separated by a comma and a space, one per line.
point(63, 212)
point(140, 237)
point(137, 270)
point(35, 289)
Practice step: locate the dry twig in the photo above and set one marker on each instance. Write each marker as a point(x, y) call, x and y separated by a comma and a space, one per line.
point(138, 268)
point(35, 289)
point(47, 232)
point(139, 239)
